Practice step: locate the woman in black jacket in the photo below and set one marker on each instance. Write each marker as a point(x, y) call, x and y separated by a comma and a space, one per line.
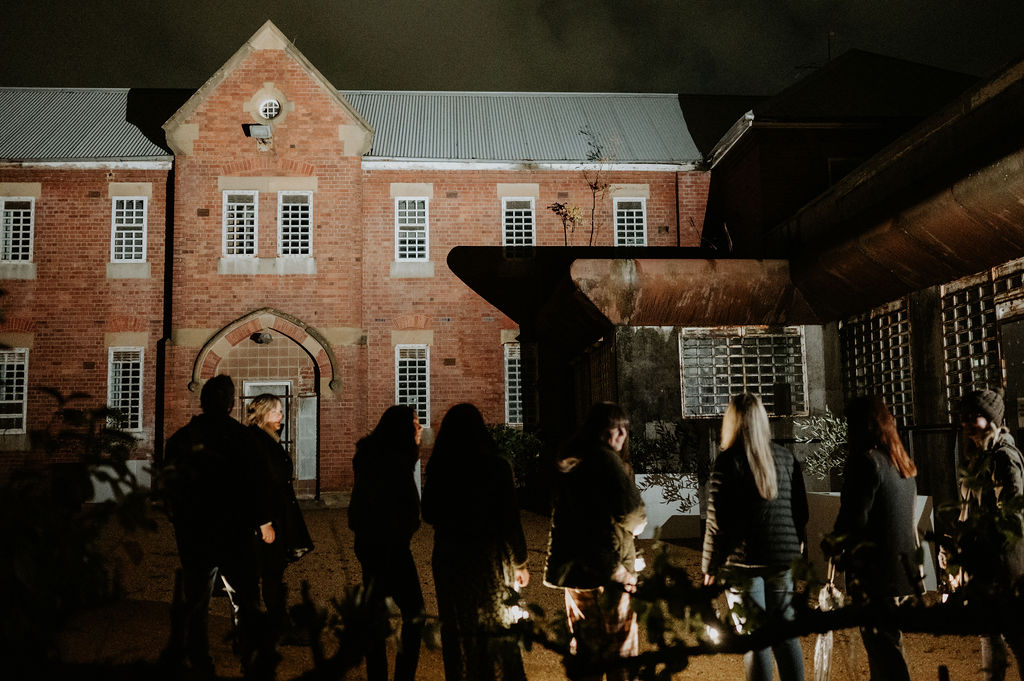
point(875, 527)
point(263, 415)
point(756, 519)
point(479, 554)
point(384, 513)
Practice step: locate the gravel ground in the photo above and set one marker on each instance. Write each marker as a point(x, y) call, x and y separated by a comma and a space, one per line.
point(136, 628)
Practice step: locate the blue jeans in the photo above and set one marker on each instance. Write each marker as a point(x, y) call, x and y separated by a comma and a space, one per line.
point(773, 593)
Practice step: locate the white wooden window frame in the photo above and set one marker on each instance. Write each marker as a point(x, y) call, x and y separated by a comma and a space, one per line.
point(402, 384)
point(621, 216)
point(252, 238)
point(292, 246)
point(508, 223)
point(402, 227)
point(14, 388)
point(513, 384)
point(115, 223)
point(117, 395)
point(8, 234)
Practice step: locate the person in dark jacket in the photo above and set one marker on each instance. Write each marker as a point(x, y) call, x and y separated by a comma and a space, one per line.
point(992, 474)
point(384, 513)
point(479, 557)
point(875, 528)
point(597, 512)
point(756, 520)
point(214, 498)
point(263, 415)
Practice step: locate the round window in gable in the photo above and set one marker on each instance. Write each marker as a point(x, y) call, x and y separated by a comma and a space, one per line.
point(270, 108)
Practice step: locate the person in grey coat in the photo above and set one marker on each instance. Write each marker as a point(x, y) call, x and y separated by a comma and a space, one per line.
point(992, 473)
point(875, 528)
point(756, 520)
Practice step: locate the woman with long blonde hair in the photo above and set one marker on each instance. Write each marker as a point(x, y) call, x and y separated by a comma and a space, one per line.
point(756, 518)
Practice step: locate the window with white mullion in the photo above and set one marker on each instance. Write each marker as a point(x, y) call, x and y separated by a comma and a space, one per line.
point(411, 229)
point(295, 223)
point(518, 222)
point(240, 220)
point(13, 390)
point(513, 384)
point(412, 379)
point(630, 222)
point(124, 387)
point(128, 229)
point(16, 231)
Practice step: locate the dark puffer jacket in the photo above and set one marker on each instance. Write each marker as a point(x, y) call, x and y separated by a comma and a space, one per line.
point(876, 516)
point(597, 511)
point(744, 530)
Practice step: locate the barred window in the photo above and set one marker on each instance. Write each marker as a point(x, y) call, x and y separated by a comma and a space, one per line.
point(124, 387)
point(513, 384)
point(411, 226)
point(13, 389)
point(519, 222)
point(630, 222)
point(876, 358)
point(717, 363)
point(128, 237)
point(294, 223)
point(969, 333)
point(16, 234)
point(240, 219)
point(412, 379)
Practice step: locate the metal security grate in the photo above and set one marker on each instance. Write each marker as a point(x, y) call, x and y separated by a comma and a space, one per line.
point(13, 389)
point(129, 242)
point(630, 223)
point(295, 223)
point(411, 229)
point(518, 222)
point(876, 358)
point(125, 387)
point(513, 384)
point(719, 363)
point(16, 233)
point(240, 224)
point(412, 379)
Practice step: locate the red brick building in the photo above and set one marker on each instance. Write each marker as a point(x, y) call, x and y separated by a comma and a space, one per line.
point(295, 237)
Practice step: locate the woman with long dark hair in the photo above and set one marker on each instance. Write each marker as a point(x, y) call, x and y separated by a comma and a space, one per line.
point(875, 527)
point(756, 520)
point(479, 554)
point(384, 513)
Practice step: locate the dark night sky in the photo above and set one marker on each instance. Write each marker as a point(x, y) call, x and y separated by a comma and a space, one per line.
point(689, 46)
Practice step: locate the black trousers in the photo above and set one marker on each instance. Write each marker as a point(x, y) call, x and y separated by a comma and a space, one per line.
point(392, 572)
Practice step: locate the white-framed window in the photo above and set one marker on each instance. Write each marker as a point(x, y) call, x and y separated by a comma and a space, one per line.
point(513, 384)
point(240, 219)
point(411, 228)
point(717, 363)
point(412, 379)
point(124, 387)
point(128, 229)
point(518, 217)
point(630, 222)
point(13, 390)
point(16, 232)
point(295, 223)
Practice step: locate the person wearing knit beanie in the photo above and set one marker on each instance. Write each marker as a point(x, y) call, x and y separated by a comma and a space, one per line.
point(987, 403)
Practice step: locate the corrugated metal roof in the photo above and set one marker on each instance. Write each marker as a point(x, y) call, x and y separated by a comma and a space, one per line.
point(71, 124)
point(87, 124)
point(525, 126)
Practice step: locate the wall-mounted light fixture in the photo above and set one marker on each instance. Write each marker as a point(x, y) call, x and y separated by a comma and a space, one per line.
point(262, 338)
point(263, 134)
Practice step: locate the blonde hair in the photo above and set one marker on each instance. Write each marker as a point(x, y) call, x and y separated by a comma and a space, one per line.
point(258, 408)
point(746, 419)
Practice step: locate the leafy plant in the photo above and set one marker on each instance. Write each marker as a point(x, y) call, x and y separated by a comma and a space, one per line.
point(667, 460)
point(521, 448)
point(828, 431)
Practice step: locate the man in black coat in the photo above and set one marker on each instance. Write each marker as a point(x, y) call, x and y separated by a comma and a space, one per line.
point(214, 499)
